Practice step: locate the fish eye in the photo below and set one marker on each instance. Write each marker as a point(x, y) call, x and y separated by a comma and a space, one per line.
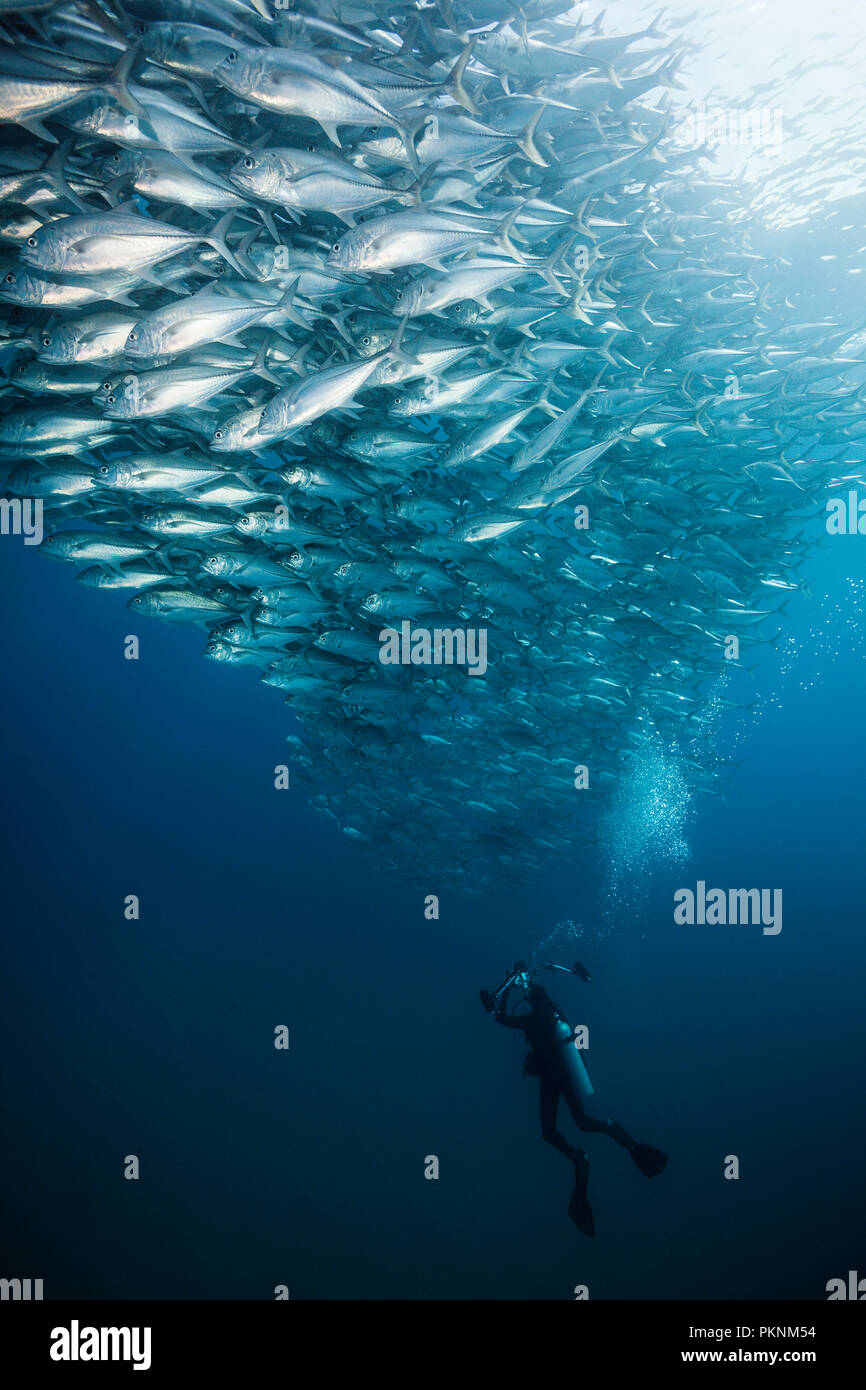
point(22, 368)
point(398, 400)
point(109, 400)
point(399, 294)
point(10, 278)
point(231, 57)
point(46, 342)
point(231, 631)
point(482, 38)
point(31, 241)
point(366, 341)
point(131, 338)
point(106, 385)
point(376, 129)
point(312, 149)
point(249, 162)
point(104, 469)
point(336, 246)
point(219, 435)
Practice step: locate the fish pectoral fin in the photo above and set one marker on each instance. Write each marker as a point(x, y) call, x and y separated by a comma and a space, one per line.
point(268, 221)
point(151, 279)
point(35, 126)
point(330, 129)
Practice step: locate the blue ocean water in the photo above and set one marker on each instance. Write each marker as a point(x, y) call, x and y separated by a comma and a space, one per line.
point(306, 1167)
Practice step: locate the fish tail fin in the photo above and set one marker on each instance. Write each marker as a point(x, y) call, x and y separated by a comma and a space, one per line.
point(217, 239)
point(407, 133)
point(579, 223)
point(669, 72)
point(685, 385)
point(415, 192)
point(444, 7)
point(242, 252)
point(118, 83)
point(395, 347)
point(543, 402)
point(513, 358)
point(548, 270)
point(606, 352)
point(54, 166)
point(453, 83)
point(705, 425)
point(247, 615)
point(259, 366)
point(526, 142)
point(644, 311)
point(503, 236)
point(574, 306)
point(287, 304)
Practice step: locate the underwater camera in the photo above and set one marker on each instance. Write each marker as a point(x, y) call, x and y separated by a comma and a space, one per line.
point(521, 977)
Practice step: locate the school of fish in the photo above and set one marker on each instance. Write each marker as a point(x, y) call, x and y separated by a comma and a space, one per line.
point(325, 319)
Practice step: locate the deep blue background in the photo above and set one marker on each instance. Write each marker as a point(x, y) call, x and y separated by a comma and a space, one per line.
point(305, 1168)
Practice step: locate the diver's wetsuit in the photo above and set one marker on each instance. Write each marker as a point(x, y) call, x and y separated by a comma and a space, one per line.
point(561, 1073)
point(549, 1035)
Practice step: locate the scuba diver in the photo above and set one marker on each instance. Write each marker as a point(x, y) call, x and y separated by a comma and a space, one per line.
point(558, 1064)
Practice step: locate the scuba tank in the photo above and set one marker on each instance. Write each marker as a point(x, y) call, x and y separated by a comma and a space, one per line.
point(572, 1059)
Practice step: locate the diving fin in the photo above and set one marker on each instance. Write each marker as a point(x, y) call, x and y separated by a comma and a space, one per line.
point(578, 1208)
point(650, 1161)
